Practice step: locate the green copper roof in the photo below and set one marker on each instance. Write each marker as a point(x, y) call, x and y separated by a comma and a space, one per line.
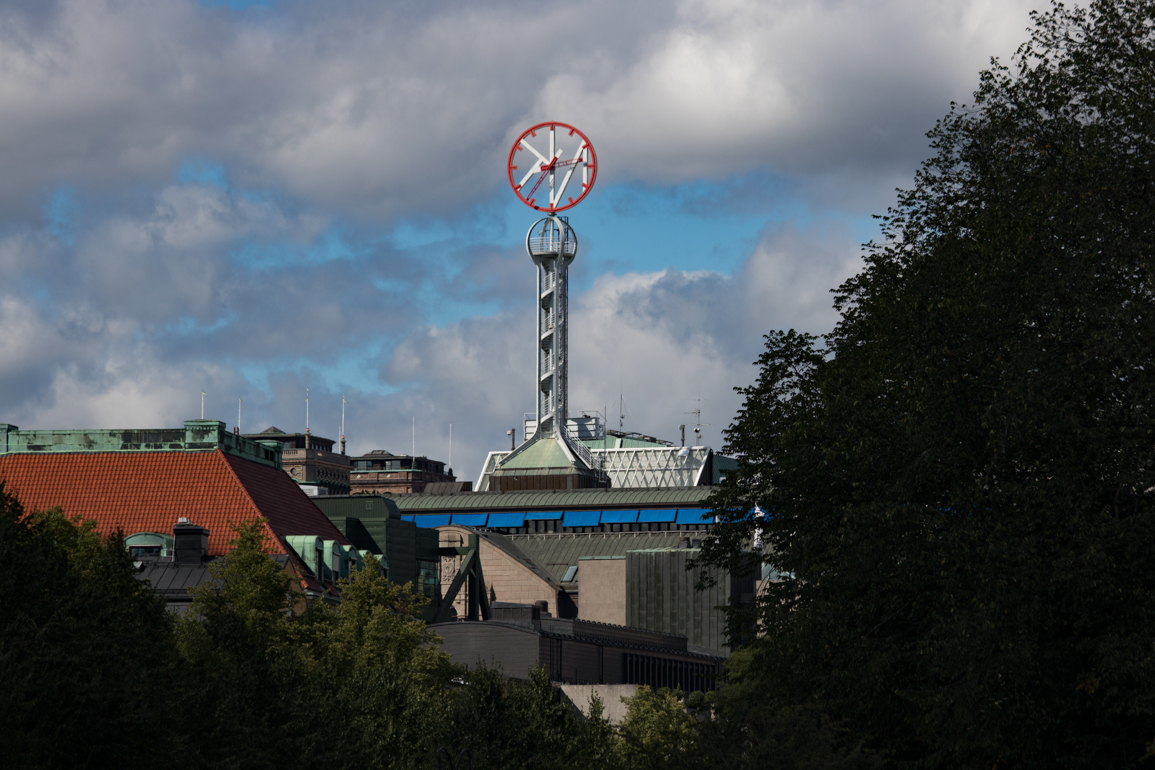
point(195, 436)
point(589, 499)
point(546, 453)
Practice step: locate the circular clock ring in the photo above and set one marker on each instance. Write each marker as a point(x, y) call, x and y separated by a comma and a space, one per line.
point(544, 162)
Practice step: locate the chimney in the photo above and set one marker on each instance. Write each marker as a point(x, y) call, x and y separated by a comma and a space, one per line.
point(190, 542)
point(683, 542)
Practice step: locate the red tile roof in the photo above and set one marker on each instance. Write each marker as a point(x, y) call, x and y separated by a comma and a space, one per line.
point(149, 491)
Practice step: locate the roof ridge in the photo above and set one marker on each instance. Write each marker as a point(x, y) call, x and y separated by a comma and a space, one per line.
point(269, 531)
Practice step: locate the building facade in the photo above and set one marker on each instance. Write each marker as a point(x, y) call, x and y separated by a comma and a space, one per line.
point(384, 473)
point(521, 638)
point(309, 460)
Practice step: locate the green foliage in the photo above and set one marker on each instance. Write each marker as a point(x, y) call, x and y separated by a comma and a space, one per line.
point(959, 476)
point(239, 673)
point(657, 732)
point(96, 673)
point(748, 729)
point(374, 661)
point(510, 723)
point(83, 646)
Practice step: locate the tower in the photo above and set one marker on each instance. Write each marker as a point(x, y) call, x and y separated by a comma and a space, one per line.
point(551, 458)
point(552, 245)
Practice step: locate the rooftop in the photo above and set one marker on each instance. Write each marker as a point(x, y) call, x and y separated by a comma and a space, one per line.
point(195, 436)
point(557, 552)
point(147, 491)
point(581, 499)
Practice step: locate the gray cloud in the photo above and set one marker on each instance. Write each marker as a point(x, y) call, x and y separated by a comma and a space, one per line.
point(333, 121)
point(385, 108)
point(660, 340)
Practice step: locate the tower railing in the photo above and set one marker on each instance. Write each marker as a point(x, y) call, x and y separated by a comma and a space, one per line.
point(551, 242)
point(581, 450)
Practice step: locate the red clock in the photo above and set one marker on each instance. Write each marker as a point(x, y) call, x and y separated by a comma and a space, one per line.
point(543, 163)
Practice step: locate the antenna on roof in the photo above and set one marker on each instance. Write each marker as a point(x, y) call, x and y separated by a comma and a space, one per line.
point(414, 449)
point(451, 449)
point(202, 404)
point(239, 402)
point(342, 423)
point(306, 418)
point(698, 423)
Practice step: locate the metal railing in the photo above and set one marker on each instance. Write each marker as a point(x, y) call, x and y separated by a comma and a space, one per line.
point(595, 465)
point(552, 242)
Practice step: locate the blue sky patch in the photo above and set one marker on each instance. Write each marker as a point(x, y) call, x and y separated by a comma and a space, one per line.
point(58, 214)
point(200, 171)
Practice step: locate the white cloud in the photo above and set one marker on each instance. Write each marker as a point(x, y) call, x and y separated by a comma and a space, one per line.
point(345, 114)
point(660, 340)
point(379, 108)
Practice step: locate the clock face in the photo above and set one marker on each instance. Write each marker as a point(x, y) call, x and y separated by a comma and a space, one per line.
point(552, 166)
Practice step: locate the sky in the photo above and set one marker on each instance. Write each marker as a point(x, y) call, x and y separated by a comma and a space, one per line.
point(254, 198)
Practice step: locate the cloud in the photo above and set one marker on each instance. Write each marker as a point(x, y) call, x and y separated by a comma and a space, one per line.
point(304, 196)
point(385, 109)
point(658, 340)
point(797, 87)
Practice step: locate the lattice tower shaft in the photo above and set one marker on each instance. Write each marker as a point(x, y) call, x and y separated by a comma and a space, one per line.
point(553, 343)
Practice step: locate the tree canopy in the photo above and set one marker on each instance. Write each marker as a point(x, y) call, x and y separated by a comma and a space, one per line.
point(959, 478)
point(96, 673)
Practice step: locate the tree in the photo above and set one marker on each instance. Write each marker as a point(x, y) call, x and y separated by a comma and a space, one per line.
point(83, 646)
point(959, 477)
point(373, 660)
point(241, 680)
point(526, 723)
point(656, 732)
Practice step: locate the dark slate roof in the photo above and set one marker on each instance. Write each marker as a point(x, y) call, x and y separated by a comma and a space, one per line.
point(172, 580)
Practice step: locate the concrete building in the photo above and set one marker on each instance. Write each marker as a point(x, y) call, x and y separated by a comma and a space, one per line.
point(310, 460)
point(511, 575)
point(573, 651)
point(384, 473)
point(633, 579)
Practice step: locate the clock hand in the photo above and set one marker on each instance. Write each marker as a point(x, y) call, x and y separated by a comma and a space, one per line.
point(544, 170)
point(535, 184)
point(567, 162)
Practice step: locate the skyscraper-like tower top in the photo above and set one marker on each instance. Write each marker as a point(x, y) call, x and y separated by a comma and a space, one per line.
point(552, 245)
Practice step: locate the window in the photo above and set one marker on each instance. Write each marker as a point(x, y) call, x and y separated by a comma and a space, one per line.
point(137, 551)
point(428, 578)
